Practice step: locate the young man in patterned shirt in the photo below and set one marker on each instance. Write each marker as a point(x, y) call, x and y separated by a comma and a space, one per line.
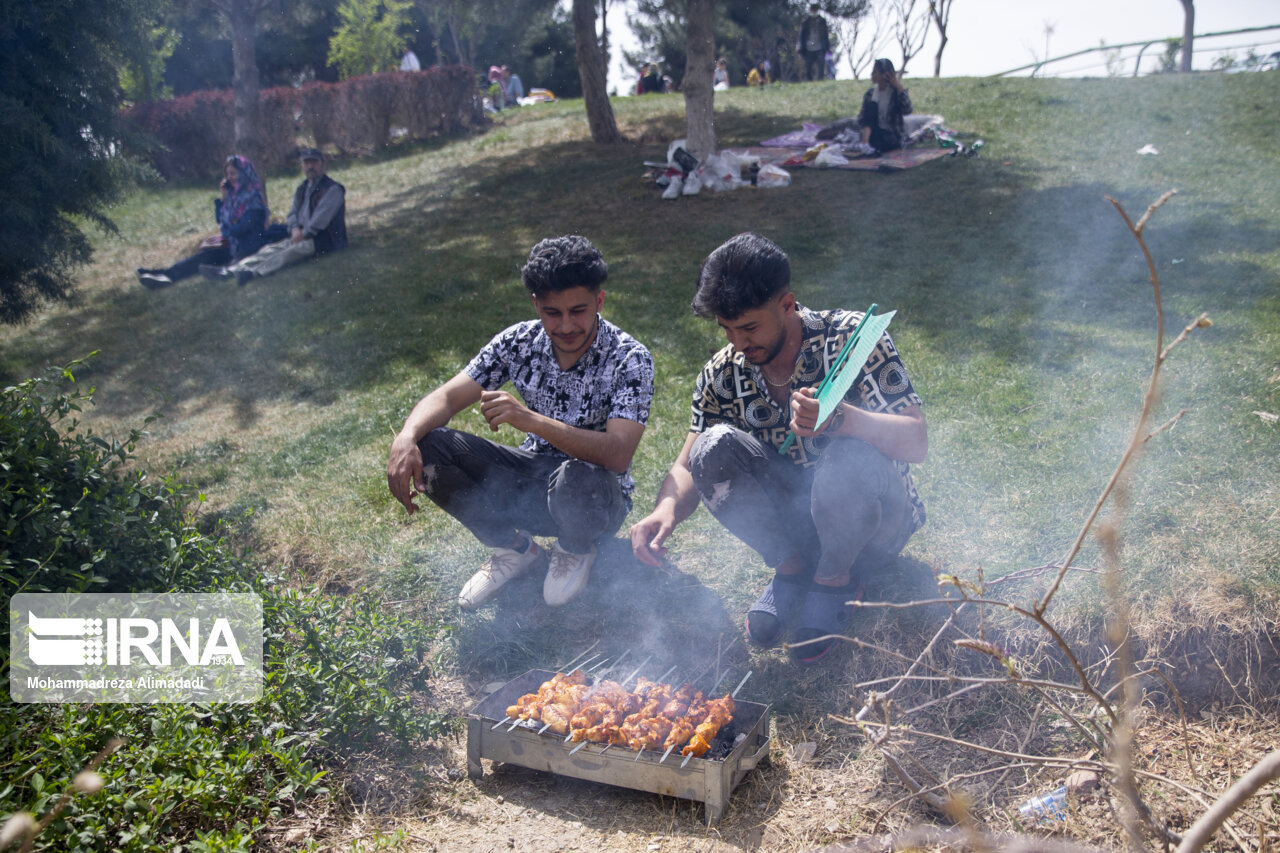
point(841, 502)
point(584, 388)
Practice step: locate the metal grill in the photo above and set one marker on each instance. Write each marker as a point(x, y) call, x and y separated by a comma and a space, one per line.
point(740, 745)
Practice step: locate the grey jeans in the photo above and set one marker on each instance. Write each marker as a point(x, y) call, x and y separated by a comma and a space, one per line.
point(495, 490)
point(848, 511)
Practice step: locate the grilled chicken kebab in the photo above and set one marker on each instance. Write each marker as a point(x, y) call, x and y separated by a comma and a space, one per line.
point(653, 716)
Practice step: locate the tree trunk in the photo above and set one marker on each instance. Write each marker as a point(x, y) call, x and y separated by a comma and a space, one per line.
point(699, 69)
point(243, 17)
point(1188, 33)
point(604, 36)
point(591, 72)
point(937, 57)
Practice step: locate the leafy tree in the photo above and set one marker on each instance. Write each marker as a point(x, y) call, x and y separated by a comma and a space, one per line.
point(370, 38)
point(142, 77)
point(745, 32)
point(550, 61)
point(60, 65)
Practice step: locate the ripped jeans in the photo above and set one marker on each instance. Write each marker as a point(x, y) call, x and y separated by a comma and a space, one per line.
point(850, 511)
point(495, 490)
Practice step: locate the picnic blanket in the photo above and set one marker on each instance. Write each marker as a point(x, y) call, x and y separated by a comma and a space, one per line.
point(786, 150)
point(894, 161)
point(807, 135)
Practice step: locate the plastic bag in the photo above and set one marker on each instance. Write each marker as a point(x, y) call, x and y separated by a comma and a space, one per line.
point(721, 172)
point(829, 157)
point(773, 176)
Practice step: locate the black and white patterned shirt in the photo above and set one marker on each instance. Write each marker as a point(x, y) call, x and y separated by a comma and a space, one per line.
point(612, 379)
point(731, 390)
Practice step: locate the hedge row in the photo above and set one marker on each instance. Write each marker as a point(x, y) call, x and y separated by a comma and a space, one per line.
point(196, 132)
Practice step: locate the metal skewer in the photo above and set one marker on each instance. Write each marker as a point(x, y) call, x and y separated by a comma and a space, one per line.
point(544, 728)
point(505, 719)
point(580, 655)
point(668, 752)
point(618, 660)
point(578, 747)
point(734, 694)
point(514, 724)
point(637, 670)
point(638, 754)
point(686, 760)
point(717, 684)
point(663, 677)
point(587, 661)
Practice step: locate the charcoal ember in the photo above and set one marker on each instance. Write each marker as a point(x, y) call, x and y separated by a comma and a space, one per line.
point(723, 743)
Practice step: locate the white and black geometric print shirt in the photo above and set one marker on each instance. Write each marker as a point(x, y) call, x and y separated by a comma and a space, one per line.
point(612, 379)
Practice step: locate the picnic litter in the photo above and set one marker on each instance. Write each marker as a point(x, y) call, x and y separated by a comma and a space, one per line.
point(835, 146)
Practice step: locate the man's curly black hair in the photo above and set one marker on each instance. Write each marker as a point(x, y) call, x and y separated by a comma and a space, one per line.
point(560, 263)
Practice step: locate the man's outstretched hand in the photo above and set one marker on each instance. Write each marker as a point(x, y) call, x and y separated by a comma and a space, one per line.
point(404, 472)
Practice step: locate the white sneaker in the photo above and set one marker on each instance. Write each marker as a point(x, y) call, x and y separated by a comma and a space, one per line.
point(674, 188)
point(567, 575)
point(503, 565)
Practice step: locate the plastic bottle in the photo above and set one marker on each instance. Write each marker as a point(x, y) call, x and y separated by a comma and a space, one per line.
point(1052, 805)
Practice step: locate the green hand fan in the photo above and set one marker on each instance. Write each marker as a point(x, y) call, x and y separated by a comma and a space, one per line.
point(848, 364)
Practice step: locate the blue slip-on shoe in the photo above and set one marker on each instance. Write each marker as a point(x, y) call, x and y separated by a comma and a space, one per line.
point(774, 608)
point(825, 612)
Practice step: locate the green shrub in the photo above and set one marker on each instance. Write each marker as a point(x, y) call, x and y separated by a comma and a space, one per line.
point(76, 518)
point(339, 673)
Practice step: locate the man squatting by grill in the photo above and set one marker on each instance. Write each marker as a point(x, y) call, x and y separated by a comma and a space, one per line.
point(841, 503)
point(585, 389)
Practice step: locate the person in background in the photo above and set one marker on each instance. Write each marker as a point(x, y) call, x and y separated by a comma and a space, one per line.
point(497, 94)
point(652, 82)
point(720, 78)
point(644, 71)
point(409, 62)
point(830, 61)
point(759, 75)
point(840, 504)
point(317, 225)
point(585, 391)
point(813, 44)
point(883, 108)
point(242, 214)
point(512, 87)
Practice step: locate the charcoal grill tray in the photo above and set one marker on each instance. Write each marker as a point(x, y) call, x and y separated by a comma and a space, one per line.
point(706, 780)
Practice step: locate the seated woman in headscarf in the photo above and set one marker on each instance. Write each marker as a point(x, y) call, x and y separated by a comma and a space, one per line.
point(883, 107)
point(241, 211)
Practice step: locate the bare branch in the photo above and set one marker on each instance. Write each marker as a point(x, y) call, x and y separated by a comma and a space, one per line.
point(1266, 770)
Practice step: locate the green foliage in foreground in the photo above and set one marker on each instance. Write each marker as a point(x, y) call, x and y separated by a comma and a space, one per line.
point(339, 672)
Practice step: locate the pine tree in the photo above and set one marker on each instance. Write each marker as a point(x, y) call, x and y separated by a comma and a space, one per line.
point(61, 163)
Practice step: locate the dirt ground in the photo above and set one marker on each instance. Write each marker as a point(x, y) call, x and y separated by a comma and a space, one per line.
point(838, 795)
point(821, 786)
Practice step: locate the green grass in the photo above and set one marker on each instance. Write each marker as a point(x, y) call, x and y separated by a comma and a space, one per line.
point(1024, 316)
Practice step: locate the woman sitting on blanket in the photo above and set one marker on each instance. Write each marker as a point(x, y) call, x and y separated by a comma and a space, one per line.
point(883, 107)
point(241, 211)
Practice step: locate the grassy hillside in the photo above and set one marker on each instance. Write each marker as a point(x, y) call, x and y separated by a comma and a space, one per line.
point(1024, 315)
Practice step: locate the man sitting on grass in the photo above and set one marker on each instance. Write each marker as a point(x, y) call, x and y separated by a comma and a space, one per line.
point(585, 389)
point(841, 503)
point(317, 225)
